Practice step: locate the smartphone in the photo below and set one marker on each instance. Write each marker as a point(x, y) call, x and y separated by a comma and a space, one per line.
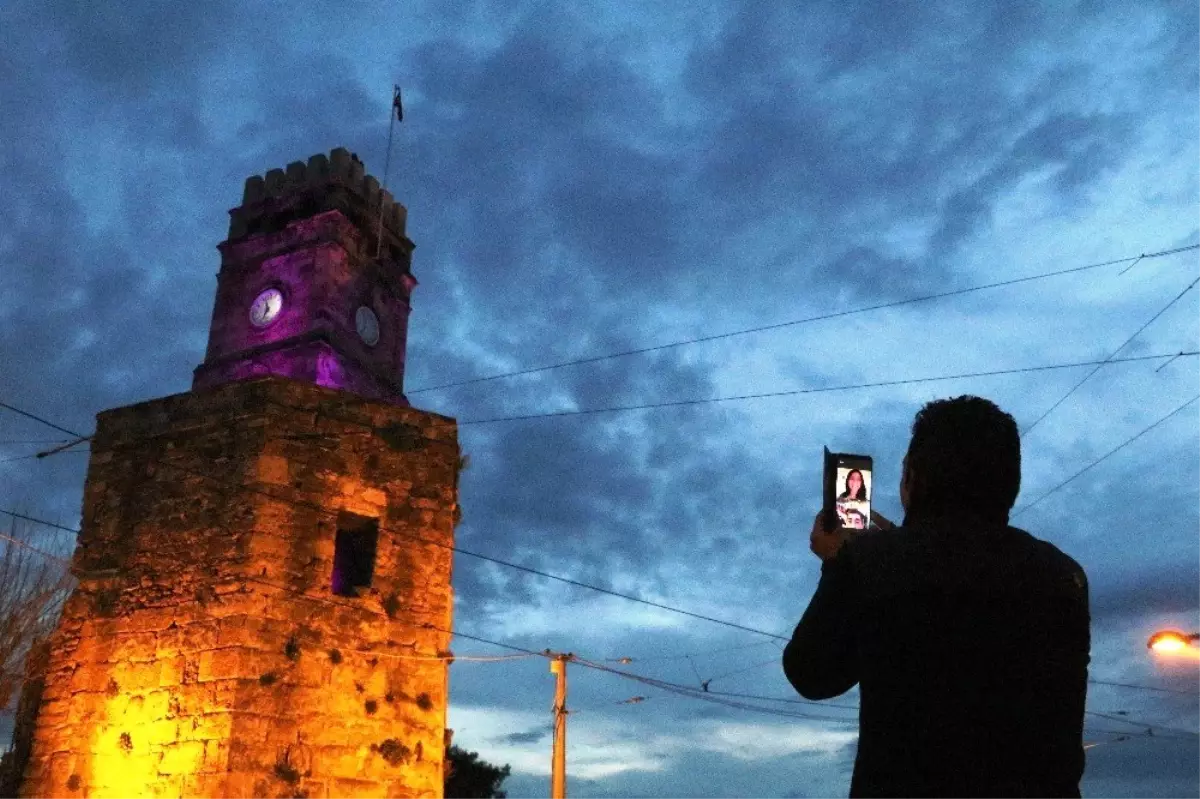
point(847, 491)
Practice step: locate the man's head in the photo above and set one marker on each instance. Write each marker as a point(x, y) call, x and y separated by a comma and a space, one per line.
point(965, 455)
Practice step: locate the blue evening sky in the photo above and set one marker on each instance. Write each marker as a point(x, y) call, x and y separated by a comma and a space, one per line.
point(586, 179)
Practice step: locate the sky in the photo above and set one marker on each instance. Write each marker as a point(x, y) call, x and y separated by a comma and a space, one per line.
point(586, 180)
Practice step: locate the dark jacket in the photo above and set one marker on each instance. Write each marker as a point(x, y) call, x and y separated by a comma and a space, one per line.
point(971, 646)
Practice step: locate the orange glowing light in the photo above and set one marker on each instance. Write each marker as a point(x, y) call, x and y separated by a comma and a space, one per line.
point(1173, 642)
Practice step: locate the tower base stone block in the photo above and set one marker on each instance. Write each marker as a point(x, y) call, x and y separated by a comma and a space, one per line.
point(264, 601)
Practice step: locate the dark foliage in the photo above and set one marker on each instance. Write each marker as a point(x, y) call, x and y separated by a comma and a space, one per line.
point(468, 777)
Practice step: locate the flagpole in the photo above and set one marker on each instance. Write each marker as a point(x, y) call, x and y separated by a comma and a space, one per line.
point(393, 113)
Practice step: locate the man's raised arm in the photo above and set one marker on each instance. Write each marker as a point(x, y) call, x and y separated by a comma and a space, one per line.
point(820, 661)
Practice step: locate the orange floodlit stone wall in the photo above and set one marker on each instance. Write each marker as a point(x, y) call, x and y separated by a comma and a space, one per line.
point(204, 652)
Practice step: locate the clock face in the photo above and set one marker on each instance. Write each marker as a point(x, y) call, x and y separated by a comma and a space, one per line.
point(266, 307)
point(367, 324)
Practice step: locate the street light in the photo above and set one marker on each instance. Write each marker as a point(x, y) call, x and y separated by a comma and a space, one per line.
point(1174, 642)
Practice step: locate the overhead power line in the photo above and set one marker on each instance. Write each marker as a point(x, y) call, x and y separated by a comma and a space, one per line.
point(36, 520)
point(682, 690)
point(521, 652)
point(727, 699)
point(1145, 687)
point(601, 706)
point(687, 655)
point(794, 322)
point(599, 589)
point(1112, 355)
point(1139, 723)
point(39, 419)
point(743, 670)
point(1146, 734)
point(630, 597)
point(469, 553)
point(617, 594)
point(719, 698)
point(16, 458)
point(1126, 736)
point(31, 547)
point(368, 611)
point(826, 389)
point(1103, 458)
point(794, 700)
point(460, 550)
point(785, 700)
point(705, 696)
point(525, 652)
point(508, 564)
point(1136, 261)
point(446, 658)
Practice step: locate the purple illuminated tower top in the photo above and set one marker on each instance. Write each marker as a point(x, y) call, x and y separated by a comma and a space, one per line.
point(312, 286)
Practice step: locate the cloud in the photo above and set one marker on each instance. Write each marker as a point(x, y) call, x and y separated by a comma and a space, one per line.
point(1159, 589)
point(133, 50)
point(1069, 150)
point(588, 183)
point(752, 742)
point(530, 737)
point(602, 750)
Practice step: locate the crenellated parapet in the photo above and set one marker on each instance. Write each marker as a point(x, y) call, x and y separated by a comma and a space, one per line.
point(315, 282)
point(338, 180)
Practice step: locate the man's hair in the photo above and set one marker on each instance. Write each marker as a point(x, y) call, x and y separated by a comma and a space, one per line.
point(966, 454)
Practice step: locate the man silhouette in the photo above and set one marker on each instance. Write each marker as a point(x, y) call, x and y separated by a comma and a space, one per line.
point(969, 638)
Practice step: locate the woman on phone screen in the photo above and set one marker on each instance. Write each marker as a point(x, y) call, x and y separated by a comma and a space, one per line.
point(856, 487)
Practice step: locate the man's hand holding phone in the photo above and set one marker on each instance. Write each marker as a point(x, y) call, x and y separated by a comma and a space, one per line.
point(881, 521)
point(825, 545)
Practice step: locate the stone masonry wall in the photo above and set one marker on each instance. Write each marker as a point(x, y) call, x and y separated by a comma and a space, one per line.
point(204, 653)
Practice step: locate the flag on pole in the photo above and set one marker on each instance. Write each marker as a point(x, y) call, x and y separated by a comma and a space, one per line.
point(396, 104)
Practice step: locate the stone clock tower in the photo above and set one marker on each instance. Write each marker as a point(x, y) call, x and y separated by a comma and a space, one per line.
point(264, 601)
point(314, 282)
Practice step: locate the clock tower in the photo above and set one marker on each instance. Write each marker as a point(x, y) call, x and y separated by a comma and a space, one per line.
point(264, 603)
point(314, 283)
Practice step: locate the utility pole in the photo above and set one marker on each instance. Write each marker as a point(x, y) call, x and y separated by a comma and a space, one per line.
point(558, 758)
